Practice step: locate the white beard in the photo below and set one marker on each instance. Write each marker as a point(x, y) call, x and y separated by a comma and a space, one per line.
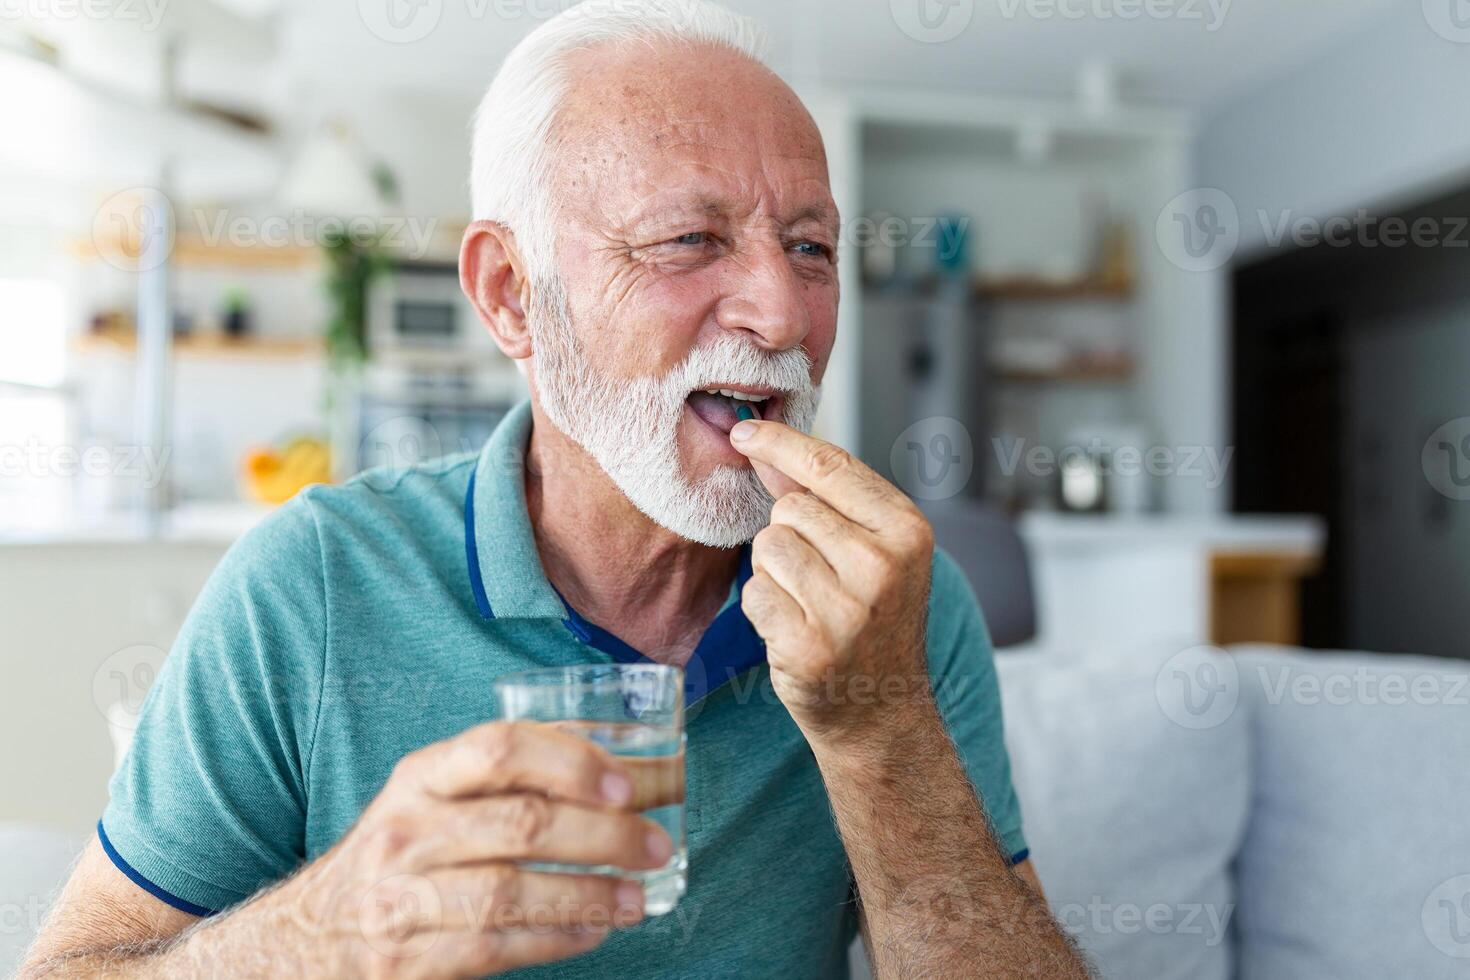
point(631, 427)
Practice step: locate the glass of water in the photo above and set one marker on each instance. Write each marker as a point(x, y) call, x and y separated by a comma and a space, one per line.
point(635, 711)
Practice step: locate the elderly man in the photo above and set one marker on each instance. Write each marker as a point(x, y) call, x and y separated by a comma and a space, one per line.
point(655, 232)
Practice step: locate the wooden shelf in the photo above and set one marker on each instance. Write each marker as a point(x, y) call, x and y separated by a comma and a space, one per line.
point(208, 345)
point(192, 251)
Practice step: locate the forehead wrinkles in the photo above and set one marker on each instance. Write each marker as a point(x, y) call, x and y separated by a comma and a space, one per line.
point(604, 177)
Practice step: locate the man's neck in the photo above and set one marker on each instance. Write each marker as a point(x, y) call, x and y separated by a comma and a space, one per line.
point(616, 567)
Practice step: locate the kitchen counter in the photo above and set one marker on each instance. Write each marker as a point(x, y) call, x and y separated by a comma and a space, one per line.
point(1123, 581)
point(1218, 532)
point(218, 524)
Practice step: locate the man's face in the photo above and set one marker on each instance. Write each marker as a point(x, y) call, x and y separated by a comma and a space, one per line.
point(696, 239)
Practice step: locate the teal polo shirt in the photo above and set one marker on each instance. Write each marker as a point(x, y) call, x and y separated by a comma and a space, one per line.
point(364, 621)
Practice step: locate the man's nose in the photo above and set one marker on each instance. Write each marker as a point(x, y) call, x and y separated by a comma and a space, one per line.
point(765, 298)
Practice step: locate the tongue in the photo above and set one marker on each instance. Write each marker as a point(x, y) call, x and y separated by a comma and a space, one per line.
point(717, 410)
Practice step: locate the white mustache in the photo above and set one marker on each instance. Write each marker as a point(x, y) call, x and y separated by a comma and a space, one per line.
point(729, 361)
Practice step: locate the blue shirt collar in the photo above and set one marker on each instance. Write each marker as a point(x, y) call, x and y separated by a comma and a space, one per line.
point(509, 581)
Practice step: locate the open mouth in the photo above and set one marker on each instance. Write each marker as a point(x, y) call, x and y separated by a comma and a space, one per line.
point(718, 406)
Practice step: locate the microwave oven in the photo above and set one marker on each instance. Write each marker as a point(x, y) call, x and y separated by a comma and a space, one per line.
point(417, 311)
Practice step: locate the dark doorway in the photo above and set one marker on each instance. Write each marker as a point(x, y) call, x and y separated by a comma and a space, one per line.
point(1346, 358)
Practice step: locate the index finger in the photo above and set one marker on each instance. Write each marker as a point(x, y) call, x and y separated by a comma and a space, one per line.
point(833, 474)
point(520, 756)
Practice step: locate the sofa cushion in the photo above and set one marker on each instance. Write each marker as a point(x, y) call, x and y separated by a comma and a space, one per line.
point(1133, 809)
point(1356, 861)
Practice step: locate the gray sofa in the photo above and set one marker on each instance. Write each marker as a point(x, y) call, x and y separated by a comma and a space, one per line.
point(1269, 814)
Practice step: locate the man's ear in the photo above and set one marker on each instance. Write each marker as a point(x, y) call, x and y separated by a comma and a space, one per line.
point(492, 275)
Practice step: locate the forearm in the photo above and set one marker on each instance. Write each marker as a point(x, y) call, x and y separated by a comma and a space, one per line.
point(266, 937)
point(937, 893)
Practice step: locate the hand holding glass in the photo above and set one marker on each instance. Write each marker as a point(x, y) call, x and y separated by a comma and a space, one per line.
point(636, 712)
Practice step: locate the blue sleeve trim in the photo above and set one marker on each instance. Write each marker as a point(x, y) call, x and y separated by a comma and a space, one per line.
point(1020, 856)
point(143, 883)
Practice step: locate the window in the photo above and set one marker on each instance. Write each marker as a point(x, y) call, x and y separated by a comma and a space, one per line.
point(33, 418)
point(32, 340)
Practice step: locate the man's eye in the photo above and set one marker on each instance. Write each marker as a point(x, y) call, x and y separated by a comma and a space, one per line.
point(816, 249)
point(693, 238)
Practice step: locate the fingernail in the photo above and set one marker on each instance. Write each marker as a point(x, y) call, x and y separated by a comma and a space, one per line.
point(659, 846)
point(742, 431)
point(616, 788)
point(630, 895)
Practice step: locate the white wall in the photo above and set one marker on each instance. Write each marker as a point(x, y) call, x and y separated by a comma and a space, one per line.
point(1378, 118)
point(1182, 376)
point(840, 417)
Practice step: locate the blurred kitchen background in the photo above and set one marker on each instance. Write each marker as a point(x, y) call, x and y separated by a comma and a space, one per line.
point(1178, 292)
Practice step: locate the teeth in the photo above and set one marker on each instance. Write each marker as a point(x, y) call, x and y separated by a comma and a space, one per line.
point(737, 395)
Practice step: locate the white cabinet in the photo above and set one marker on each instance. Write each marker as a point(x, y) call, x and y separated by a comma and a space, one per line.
point(1119, 583)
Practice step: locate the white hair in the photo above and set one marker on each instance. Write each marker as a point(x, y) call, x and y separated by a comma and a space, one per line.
point(512, 153)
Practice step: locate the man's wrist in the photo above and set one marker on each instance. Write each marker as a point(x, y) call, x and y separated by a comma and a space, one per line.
point(881, 740)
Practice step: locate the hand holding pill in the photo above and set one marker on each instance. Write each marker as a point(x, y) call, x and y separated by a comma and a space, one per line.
point(840, 586)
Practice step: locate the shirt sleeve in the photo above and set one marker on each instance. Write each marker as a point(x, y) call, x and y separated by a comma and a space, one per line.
point(962, 670)
point(209, 805)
